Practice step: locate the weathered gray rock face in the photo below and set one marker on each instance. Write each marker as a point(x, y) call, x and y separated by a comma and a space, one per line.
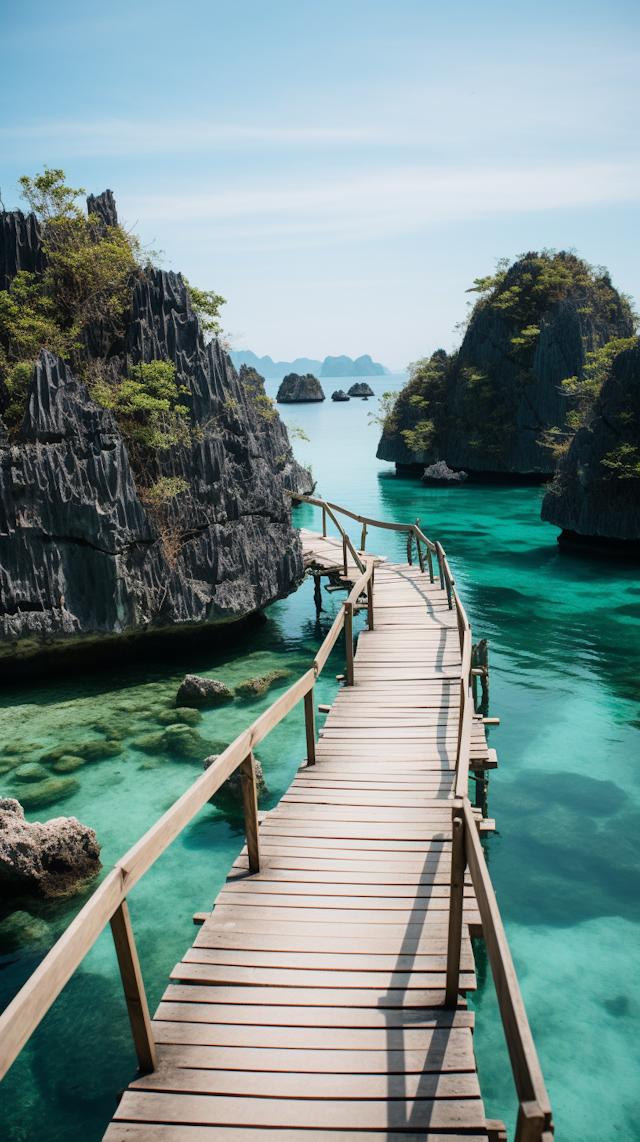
point(51, 859)
point(441, 474)
point(339, 395)
point(104, 206)
point(587, 498)
point(361, 390)
point(530, 397)
point(20, 246)
point(299, 390)
point(196, 691)
point(80, 558)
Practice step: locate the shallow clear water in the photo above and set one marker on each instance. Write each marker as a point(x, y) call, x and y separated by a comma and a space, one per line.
point(565, 668)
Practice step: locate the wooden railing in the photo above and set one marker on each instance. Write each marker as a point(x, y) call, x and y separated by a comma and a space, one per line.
point(534, 1122)
point(108, 905)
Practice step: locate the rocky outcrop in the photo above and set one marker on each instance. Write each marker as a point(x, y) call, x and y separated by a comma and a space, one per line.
point(104, 207)
point(229, 796)
point(82, 561)
point(440, 475)
point(345, 367)
point(196, 691)
point(487, 407)
point(596, 491)
point(361, 390)
point(339, 395)
point(20, 246)
point(299, 390)
point(53, 859)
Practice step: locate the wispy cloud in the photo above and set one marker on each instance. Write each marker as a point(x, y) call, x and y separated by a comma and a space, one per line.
point(410, 199)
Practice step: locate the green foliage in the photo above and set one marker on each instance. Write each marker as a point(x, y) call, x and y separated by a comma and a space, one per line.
point(623, 463)
point(18, 380)
point(146, 406)
point(386, 409)
point(597, 368)
point(48, 196)
point(206, 306)
point(166, 488)
point(89, 280)
point(259, 402)
point(295, 432)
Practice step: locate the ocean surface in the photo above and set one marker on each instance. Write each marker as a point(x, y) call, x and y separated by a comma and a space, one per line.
point(564, 654)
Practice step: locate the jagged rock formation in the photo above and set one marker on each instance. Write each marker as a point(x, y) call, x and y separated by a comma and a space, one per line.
point(197, 691)
point(299, 390)
point(81, 559)
point(596, 491)
point(20, 246)
point(487, 407)
point(345, 367)
point(53, 859)
point(104, 206)
point(339, 395)
point(361, 390)
point(440, 475)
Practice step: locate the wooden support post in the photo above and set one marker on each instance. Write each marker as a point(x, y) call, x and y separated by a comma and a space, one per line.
point(420, 559)
point(409, 549)
point(458, 863)
point(250, 798)
point(430, 560)
point(348, 640)
point(317, 594)
point(324, 523)
point(133, 986)
point(370, 604)
point(440, 558)
point(363, 539)
point(310, 727)
point(344, 552)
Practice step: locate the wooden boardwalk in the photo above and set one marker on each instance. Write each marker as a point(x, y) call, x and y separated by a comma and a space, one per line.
point(311, 1005)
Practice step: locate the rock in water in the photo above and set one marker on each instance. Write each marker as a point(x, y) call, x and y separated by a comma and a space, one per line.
point(595, 496)
point(20, 929)
point(256, 687)
point(360, 390)
point(229, 795)
point(51, 859)
point(339, 395)
point(299, 390)
point(197, 691)
point(440, 474)
point(87, 571)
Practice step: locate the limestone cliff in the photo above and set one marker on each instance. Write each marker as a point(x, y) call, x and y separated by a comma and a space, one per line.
point(84, 558)
point(487, 407)
point(596, 491)
point(300, 390)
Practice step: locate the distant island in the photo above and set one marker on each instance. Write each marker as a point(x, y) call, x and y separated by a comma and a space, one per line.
point(330, 367)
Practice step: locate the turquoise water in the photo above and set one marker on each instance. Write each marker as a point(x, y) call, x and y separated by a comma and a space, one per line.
point(565, 669)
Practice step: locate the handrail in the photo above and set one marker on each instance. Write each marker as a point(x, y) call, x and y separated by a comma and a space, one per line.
point(534, 1122)
point(108, 902)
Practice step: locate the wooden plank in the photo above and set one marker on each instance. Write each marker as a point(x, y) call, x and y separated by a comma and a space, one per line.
point(254, 976)
point(312, 941)
point(290, 1015)
point(448, 1050)
point(268, 1085)
point(163, 1132)
point(298, 1113)
point(308, 1037)
point(203, 995)
point(333, 962)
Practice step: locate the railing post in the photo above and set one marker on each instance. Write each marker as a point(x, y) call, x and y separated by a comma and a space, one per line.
point(370, 601)
point(456, 896)
point(324, 523)
point(439, 557)
point(250, 798)
point(344, 552)
point(430, 560)
point(348, 640)
point(133, 986)
point(310, 727)
point(364, 536)
point(420, 559)
point(409, 549)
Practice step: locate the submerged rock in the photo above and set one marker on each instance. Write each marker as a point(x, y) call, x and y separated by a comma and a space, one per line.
point(440, 473)
point(48, 792)
point(98, 751)
point(30, 771)
point(361, 390)
point(187, 716)
point(299, 390)
point(68, 763)
point(256, 687)
point(229, 795)
point(22, 928)
point(51, 859)
point(339, 395)
point(197, 691)
point(184, 741)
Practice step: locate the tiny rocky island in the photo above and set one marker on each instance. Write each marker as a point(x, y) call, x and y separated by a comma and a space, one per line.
point(142, 478)
point(300, 390)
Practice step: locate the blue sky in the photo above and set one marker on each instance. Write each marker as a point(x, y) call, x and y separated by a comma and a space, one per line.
point(340, 172)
